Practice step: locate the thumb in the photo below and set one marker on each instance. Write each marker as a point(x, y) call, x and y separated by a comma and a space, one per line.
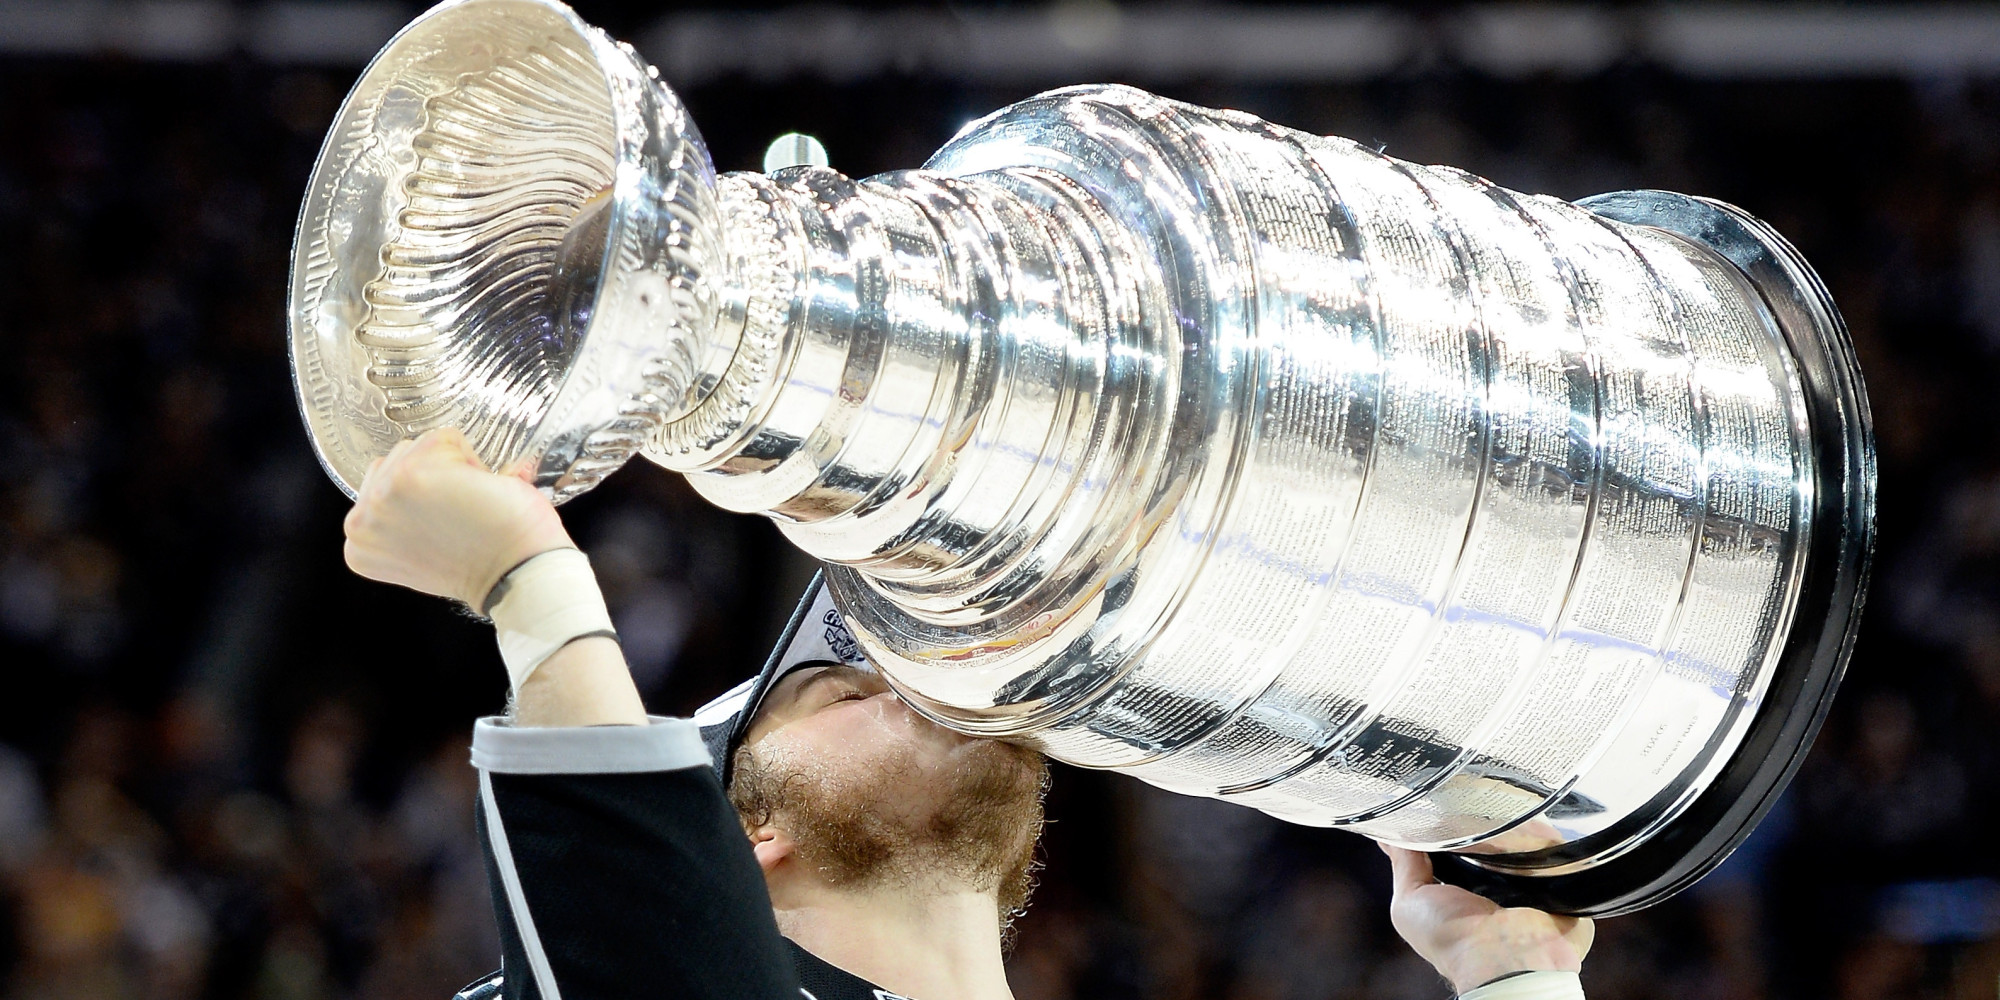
point(523, 469)
point(1409, 870)
point(450, 441)
point(1581, 933)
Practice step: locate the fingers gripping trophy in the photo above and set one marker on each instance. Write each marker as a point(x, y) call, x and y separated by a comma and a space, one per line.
point(1256, 464)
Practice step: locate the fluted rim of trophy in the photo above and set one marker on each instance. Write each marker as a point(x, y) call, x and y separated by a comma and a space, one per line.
point(473, 312)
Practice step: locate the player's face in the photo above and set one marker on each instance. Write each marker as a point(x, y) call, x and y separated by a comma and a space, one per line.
point(805, 692)
point(864, 784)
point(844, 725)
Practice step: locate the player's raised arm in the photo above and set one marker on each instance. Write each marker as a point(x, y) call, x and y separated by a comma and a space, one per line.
point(618, 869)
point(432, 518)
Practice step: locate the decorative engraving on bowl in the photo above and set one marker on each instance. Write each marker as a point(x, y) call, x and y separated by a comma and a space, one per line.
point(503, 179)
point(487, 284)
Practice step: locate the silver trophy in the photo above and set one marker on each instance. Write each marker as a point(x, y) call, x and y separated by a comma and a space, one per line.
point(1256, 464)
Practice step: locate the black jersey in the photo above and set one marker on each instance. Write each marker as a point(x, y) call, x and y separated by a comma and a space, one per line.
point(619, 870)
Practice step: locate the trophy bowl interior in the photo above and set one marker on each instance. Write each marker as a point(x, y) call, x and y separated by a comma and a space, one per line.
point(471, 251)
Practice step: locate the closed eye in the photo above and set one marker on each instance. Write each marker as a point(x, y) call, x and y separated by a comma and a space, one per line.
point(834, 685)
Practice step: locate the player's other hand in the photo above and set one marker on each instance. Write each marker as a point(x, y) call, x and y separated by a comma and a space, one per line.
point(432, 518)
point(1472, 940)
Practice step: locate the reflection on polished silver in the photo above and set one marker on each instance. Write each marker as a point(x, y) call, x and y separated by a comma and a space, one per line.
point(1256, 463)
point(794, 149)
point(499, 182)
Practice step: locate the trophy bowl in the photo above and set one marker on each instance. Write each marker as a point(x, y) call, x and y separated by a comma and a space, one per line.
point(1257, 464)
point(482, 202)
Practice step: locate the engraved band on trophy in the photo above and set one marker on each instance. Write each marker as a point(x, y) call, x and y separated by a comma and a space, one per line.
point(1257, 464)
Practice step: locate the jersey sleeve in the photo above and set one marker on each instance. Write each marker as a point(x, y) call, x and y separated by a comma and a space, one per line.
point(619, 870)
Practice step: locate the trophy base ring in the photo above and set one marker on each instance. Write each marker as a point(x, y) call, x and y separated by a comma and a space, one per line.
point(1815, 655)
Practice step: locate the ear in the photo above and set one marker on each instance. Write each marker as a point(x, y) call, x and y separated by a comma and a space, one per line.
point(771, 846)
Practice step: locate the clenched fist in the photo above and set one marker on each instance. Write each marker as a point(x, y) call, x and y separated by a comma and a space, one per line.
point(1472, 940)
point(432, 518)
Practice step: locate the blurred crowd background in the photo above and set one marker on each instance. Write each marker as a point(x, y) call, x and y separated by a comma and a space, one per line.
point(229, 769)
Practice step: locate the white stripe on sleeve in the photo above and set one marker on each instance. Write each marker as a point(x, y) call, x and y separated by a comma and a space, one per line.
point(661, 745)
point(510, 880)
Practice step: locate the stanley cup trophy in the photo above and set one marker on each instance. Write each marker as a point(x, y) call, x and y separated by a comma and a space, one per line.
point(1256, 464)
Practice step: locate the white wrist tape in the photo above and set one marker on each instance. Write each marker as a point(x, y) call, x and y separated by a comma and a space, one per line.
point(548, 602)
point(1531, 986)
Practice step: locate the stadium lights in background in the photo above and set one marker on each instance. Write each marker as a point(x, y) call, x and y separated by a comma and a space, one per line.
point(1077, 39)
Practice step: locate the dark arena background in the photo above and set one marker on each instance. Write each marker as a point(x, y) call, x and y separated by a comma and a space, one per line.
point(230, 769)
